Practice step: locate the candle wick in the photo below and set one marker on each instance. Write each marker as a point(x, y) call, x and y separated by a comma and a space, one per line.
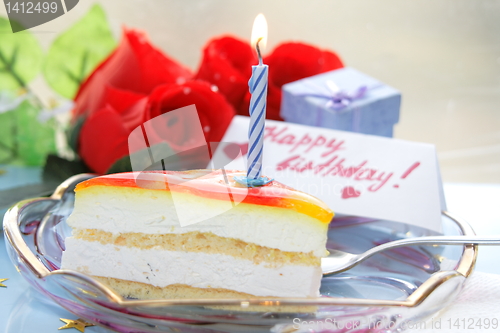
point(258, 51)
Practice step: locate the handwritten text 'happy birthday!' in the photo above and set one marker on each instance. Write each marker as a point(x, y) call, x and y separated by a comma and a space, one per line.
point(331, 162)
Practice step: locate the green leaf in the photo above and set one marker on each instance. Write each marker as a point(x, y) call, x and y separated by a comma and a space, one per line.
point(58, 169)
point(21, 57)
point(174, 161)
point(122, 165)
point(34, 140)
point(73, 133)
point(12, 195)
point(77, 51)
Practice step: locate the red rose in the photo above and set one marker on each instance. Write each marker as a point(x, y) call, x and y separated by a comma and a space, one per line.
point(131, 72)
point(109, 101)
point(103, 139)
point(227, 63)
point(104, 135)
point(214, 112)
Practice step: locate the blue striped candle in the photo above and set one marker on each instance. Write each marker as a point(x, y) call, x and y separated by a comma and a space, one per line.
point(258, 101)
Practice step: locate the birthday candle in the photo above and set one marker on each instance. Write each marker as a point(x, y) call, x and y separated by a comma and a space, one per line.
point(258, 101)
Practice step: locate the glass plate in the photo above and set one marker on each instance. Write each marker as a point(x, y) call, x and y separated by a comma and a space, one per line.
point(389, 292)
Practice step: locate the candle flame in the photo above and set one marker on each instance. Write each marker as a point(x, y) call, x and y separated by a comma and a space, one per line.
point(259, 32)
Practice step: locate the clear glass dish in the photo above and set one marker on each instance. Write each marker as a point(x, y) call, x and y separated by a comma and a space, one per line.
point(389, 292)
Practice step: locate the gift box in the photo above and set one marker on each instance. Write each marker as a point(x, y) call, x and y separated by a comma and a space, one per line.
point(344, 99)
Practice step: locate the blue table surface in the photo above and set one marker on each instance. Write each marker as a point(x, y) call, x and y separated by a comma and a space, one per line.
point(11, 176)
point(22, 309)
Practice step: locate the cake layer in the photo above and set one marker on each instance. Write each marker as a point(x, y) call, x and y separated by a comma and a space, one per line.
point(139, 290)
point(137, 210)
point(132, 289)
point(217, 185)
point(161, 268)
point(200, 242)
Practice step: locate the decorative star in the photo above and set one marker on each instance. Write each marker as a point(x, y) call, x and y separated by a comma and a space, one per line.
point(79, 324)
point(1, 284)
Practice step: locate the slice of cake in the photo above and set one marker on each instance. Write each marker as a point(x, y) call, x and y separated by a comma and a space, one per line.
point(197, 234)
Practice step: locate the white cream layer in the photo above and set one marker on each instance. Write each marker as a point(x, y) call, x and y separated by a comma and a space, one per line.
point(153, 212)
point(162, 268)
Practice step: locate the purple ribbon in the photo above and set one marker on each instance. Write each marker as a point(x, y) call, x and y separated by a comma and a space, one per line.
point(338, 99)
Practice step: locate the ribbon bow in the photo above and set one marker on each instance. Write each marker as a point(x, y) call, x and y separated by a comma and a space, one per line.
point(339, 99)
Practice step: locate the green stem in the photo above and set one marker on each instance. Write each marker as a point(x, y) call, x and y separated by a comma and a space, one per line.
point(11, 152)
point(4, 146)
point(84, 66)
point(8, 67)
point(72, 76)
point(79, 79)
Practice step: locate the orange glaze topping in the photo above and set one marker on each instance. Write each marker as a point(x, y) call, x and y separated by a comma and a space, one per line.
point(213, 185)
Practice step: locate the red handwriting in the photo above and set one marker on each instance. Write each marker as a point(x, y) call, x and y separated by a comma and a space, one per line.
point(280, 136)
point(410, 169)
point(330, 163)
point(336, 166)
point(350, 192)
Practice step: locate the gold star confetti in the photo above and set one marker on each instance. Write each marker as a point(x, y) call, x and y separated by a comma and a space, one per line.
point(1, 284)
point(439, 258)
point(79, 324)
point(86, 292)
